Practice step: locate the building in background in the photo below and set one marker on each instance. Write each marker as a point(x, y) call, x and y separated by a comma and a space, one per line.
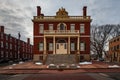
point(13, 49)
point(114, 49)
point(61, 34)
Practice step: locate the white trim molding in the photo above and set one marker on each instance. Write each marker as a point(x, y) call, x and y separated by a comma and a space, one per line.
point(85, 36)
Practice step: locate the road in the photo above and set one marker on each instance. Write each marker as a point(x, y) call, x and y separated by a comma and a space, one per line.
point(71, 76)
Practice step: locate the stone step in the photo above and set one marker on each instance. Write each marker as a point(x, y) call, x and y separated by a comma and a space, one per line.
point(61, 59)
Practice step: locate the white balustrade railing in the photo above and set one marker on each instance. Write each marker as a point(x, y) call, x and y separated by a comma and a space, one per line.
point(53, 17)
point(61, 32)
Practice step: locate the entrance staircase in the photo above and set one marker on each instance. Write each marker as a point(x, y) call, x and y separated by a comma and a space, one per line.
point(61, 59)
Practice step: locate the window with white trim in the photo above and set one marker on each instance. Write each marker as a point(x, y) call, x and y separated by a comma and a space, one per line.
point(82, 28)
point(41, 46)
point(6, 45)
point(6, 37)
point(50, 46)
point(72, 27)
point(1, 44)
point(50, 26)
point(72, 46)
point(82, 46)
point(1, 35)
point(41, 28)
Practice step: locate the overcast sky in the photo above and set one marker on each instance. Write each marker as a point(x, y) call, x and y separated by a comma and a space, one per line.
point(16, 15)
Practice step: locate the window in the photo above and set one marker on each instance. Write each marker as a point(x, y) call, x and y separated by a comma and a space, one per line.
point(11, 55)
point(1, 35)
point(82, 46)
point(57, 46)
point(41, 28)
point(82, 28)
point(65, 46)
point(72, 46)
point(40, 46)
point(10, 39)
point(62, 27)
point(50, 26)
point(2, 54)
point(117, 46)
point(6, 54)
point(72, 27)
point(6, 37)
point(50, 46)
point(1, 44)
point(6, 45)
point(15, 47)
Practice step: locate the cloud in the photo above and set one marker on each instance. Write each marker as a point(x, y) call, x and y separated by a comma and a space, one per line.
point(16, 15)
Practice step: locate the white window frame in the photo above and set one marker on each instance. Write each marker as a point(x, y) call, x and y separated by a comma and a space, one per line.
point(6, 45)
point(72, 46)
point(72, 27)
point(2, 35)
point(50, 26)
point(2, 44)
point(82, 28)
point(41, 46)
point(41, 28)
point(6, 37)
point(82, 46)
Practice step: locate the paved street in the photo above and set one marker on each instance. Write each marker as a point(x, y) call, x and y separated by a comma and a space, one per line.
point(76, 76)
point(31, 71)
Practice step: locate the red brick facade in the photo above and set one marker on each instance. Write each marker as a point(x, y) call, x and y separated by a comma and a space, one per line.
point(13, 49)
point(68, 34)
point(114, 49)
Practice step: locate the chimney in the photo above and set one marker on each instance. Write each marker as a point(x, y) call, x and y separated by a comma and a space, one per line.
point(85, 11)
point(28, 40)
point(2, 29)
point(38, 10)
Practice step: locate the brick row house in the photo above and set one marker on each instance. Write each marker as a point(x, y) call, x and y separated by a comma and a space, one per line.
point(13, 49)
point(61, 34)
point(114, 49)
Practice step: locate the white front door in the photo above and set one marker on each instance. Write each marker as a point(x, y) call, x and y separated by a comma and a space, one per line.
point(61, 48)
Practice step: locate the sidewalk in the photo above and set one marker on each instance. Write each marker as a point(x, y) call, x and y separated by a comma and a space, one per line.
point(30, 67)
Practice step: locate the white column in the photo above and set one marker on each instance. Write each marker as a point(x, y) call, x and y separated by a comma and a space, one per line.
point(68, 45)
point(44, 45)
point(54, 45)
point(78, 44)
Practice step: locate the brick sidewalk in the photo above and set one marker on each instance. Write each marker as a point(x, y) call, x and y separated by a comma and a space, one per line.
point(30, 67)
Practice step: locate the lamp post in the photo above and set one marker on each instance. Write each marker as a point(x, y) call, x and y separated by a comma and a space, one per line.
point(19, 46)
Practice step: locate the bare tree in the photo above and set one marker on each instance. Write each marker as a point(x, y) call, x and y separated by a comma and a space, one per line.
point(100, 35)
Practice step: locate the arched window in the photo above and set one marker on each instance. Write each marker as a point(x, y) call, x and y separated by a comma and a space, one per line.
point(62, 27)
point(61, 41)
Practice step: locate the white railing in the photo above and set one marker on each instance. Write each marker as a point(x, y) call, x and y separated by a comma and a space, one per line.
point(54, 18)
point(49, 32)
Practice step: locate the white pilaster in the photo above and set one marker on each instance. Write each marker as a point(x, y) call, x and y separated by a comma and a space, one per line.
point(78, 43)
point(44, 45)
point(69, 45)
point(54, 45)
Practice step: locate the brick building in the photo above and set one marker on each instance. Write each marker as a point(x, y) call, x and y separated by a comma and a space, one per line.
point(114, 49)
point(61, 34)
point(13, 49)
